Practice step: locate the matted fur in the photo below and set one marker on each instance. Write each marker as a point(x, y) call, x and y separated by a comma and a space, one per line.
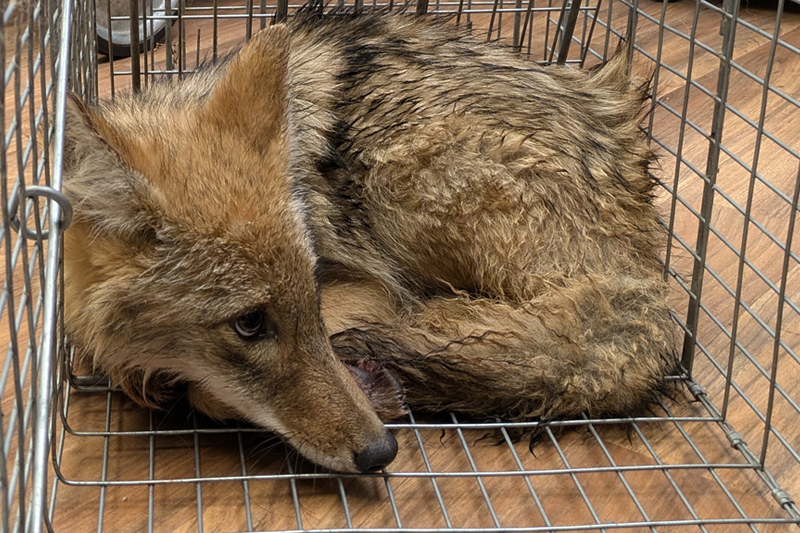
point(387, 189)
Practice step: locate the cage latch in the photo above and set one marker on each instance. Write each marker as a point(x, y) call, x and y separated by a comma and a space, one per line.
point(35, 191)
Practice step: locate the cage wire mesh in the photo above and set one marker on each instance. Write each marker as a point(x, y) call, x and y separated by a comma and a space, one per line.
point(33, 63)
point(722, 456)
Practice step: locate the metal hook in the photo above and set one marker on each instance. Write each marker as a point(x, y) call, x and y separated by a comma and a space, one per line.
point(35, 191)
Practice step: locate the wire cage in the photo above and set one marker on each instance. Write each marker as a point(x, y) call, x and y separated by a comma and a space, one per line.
point(723, 455)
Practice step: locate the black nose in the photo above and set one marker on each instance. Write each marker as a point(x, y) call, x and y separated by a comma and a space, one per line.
point(377, 454)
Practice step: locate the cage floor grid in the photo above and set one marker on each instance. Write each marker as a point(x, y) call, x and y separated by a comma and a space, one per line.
point(123, 468)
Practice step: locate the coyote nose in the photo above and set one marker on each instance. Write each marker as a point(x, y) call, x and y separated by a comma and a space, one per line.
point(377, 454)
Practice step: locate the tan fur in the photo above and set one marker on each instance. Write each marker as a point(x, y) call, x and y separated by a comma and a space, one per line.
point(387, 190)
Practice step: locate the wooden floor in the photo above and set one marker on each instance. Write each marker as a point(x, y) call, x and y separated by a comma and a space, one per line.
point(122, 482)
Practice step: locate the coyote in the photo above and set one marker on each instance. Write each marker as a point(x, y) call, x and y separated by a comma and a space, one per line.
point(463, 229)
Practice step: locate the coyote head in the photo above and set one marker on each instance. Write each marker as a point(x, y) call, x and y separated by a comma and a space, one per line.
point(189, 258)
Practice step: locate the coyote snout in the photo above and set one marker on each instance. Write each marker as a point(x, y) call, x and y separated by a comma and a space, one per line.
point(355, 211)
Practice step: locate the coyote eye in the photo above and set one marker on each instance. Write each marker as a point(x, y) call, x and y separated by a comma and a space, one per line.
point(255, 325)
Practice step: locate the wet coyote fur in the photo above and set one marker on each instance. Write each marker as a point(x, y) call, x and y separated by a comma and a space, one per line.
point(452, 222)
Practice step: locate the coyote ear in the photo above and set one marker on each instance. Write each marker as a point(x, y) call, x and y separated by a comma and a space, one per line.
point(103, 189)
point(253, 93)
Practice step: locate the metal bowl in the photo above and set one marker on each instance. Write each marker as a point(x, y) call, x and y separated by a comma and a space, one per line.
point(115, 38)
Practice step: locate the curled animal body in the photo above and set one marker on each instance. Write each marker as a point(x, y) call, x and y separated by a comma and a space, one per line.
point(464, 229)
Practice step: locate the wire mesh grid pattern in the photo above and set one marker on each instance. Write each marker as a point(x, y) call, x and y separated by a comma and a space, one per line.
point(722, 456)
point(33, 74)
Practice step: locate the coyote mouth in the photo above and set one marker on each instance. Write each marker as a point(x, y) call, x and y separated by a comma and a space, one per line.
point(382, 387)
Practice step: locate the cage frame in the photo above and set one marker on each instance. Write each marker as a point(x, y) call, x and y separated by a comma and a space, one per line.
point(54, 383)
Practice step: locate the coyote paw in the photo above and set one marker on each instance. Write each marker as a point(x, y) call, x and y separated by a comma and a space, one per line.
point(382, 387)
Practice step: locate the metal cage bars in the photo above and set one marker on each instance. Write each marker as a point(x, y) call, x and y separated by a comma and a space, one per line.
point(705, 229)
point(34, 49)
point(82, 62)
point(567, 470)
point(556, 43)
